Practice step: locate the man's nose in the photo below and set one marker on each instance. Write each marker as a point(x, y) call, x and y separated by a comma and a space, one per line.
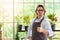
point(40, 11)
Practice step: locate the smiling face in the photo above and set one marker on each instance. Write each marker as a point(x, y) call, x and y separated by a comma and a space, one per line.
point(40, 11)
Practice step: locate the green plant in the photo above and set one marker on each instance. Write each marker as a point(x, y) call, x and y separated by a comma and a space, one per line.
point(18, 19)
point(0, 25)
point(26, 20)
point(52, 18)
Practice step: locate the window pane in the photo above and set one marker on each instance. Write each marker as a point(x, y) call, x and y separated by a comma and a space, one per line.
point(57, 26)
point(8, 0)
point(18, 0)
point(28, 0)
point(56, 6)
point(8, 12)
point(29, 9)
point(1, 0)
point(1, 12)
point(57, 0)
point(8, 31)
point(15, 29)
point(48, 0)
point(18, 12)
point(49, 8)
point(38, 0)
point(18, 8)
point(57, 11)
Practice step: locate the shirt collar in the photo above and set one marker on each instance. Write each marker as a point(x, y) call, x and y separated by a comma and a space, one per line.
point(40, 18)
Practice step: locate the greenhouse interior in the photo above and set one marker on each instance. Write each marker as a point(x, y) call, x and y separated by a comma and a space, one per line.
point(21, 13)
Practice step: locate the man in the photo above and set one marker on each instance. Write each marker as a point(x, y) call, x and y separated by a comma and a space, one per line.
point(42, 31)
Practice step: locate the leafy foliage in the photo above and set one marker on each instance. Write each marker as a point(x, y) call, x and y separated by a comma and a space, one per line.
point(26, 19)
point(52, 17)
point(0, 25)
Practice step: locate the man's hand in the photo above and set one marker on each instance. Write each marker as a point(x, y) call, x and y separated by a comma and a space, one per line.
point(40, 29)
point(29, 38)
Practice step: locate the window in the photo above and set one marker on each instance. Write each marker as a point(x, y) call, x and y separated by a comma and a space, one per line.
point(9, 9)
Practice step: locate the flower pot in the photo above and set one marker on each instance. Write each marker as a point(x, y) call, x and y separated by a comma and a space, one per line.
point(19, 28)
point(53, 27)
point(26, 28)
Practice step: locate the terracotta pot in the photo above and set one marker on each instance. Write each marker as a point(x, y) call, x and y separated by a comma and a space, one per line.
point(0, 35)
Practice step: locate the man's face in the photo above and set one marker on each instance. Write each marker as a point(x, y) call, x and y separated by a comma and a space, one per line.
point(40, 11)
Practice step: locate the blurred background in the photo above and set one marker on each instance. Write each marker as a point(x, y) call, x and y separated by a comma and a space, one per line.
point(15, 17)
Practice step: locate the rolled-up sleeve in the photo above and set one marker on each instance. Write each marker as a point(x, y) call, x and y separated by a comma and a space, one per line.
point(48, 27)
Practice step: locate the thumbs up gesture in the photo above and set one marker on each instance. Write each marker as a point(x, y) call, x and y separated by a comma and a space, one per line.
point(40, 29)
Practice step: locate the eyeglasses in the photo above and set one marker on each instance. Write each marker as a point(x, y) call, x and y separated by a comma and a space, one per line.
point(40, 10)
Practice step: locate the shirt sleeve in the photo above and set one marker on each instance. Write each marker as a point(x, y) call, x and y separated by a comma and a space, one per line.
point(30, 28)
point(48, 27)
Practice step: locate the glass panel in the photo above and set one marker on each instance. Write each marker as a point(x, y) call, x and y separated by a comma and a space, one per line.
point(8, 0)
point(18, 0)
point(56, 6)
point(8, 31)
point(18, 8)
point(18, 12)
point(57, 11)
point(57, 0)
point(49, 8)
point(38, 0)
point(57, 26)
point(29, 9)
point(8, 12)
point(28, 0)
point(48, 0)
point(1, 0)
point(1, 12)
point(15, 29)
point(28, 12)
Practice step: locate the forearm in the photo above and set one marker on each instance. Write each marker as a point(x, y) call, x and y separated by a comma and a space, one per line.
point(29, 38)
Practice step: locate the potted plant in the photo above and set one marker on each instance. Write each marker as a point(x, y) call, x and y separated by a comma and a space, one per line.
point(53, 19)
point(26, 21)
point(19, 25)
point(0, 31)
point(19, 22)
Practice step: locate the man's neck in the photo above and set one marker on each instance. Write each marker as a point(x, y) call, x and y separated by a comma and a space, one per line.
point(39, 17)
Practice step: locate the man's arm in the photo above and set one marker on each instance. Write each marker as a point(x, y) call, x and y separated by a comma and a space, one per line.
point(47, 29)
point(41, 29)
point(30, 30)
point(45, 32)
point(29, 37)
